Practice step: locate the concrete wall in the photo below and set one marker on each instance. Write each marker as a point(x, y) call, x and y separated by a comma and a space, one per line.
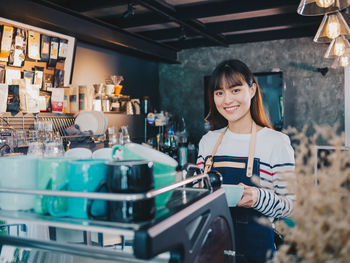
point(309, 96)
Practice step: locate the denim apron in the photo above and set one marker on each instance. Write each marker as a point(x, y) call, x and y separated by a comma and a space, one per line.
point(252, 239)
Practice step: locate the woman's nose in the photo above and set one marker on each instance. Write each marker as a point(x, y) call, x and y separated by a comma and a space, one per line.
point(228, 97)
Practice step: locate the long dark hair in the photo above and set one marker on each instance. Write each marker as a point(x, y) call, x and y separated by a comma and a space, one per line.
point(231, 73)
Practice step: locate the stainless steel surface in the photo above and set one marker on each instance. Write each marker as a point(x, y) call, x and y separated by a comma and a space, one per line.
point(102, 196)
point(77, 250)
point(72, 223)
point(144, 240)
point(107, 196)
point(184, 196)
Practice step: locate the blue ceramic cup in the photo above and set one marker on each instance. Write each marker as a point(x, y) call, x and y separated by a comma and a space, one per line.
point(52, 173)
point(82, 176)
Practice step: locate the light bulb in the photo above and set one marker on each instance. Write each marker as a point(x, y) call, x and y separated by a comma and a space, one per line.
point(333, 27)
point(344, 61)
point(324, 3)
point(339, 47)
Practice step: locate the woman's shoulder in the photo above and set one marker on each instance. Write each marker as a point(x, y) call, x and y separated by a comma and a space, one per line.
point(213, 133)
point(276, 147)
point(211, 136)
point(275, 136)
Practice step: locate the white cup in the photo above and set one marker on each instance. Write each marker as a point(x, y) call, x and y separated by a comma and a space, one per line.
point(18, 172)
point(81, 153)
point(104, 153)
point(109, 89)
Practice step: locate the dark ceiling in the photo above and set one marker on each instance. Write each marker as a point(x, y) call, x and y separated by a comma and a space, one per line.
point(183, 24)
point(158, 29)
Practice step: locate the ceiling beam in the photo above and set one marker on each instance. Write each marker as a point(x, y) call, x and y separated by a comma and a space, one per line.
point(52, 17)
point(224, 7)
point(286, 33)
point(90, 5)
point(294, 20)
point(148, 18)
point(167, 11)
point(212, 9)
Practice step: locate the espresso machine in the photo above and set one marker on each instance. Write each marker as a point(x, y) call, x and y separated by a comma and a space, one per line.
point(194, 226)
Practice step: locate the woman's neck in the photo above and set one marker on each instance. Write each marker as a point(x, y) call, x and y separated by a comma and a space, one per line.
point(243, 125)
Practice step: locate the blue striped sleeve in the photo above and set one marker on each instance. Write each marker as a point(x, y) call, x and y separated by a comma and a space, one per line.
point(276, 198)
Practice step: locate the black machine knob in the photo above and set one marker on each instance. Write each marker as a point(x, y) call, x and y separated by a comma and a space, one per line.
point(215, 179)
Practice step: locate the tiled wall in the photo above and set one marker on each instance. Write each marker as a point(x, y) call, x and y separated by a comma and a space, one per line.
point(309, 96)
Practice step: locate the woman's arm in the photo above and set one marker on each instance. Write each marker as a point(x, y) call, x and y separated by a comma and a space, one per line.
point(275, 198)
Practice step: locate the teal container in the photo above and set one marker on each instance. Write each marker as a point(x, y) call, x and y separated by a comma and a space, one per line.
point(82, 176)
point(164, 167)
point(52, 173)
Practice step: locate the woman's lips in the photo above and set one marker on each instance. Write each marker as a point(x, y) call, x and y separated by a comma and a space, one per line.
point(231, 108)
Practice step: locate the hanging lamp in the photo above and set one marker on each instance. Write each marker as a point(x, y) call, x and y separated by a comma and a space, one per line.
point(337, 47)
point(332, 26)
point(342, 61)
point(321, 7)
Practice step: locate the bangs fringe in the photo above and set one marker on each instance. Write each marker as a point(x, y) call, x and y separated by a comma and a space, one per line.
point(228, 79)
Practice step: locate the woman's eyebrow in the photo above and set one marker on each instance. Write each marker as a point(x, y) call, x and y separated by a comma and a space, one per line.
point(234, 86)
point(218, 88)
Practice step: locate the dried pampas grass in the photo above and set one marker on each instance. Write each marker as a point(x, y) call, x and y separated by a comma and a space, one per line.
point(322, 211)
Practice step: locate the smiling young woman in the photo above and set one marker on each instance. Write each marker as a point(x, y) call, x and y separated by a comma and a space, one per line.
point(240, 145)
point(235, 76)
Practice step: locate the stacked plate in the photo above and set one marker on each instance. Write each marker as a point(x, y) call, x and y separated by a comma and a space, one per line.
point(94, 121)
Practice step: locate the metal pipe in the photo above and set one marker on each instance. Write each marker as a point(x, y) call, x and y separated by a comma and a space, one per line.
point(168, 188)
point(102, 196)
point(107, 196)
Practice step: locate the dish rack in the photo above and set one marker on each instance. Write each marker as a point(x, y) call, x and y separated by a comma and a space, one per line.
point(26, 121)
point(196, 221)
point(59, 122)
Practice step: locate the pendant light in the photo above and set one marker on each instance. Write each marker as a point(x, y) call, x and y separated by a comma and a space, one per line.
point(342, 61)
point(337, 47)
point(321, 7)
point(332, 26)
point(325, 3)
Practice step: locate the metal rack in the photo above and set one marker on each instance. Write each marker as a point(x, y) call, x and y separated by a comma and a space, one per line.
point(26, 121)
point(187, 205)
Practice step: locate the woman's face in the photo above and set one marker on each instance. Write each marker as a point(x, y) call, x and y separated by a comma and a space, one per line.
point(233, 103)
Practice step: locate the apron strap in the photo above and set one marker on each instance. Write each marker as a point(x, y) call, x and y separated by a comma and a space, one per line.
point(249, 171)
point(209, 161)
point(251, 151)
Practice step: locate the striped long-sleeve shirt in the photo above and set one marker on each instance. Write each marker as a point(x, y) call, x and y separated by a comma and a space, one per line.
point(276, 157)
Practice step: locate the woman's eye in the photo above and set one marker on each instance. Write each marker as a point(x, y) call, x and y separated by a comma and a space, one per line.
point(235, 90)
point(218, 93)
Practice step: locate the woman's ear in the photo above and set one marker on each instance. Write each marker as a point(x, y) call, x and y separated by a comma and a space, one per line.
point(252, 90)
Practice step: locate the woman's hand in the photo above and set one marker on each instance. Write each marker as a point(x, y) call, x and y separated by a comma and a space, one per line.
point(250, 196)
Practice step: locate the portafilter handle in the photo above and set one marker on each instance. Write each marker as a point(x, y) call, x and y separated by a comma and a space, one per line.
point(191, 170)
point(215, 178)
